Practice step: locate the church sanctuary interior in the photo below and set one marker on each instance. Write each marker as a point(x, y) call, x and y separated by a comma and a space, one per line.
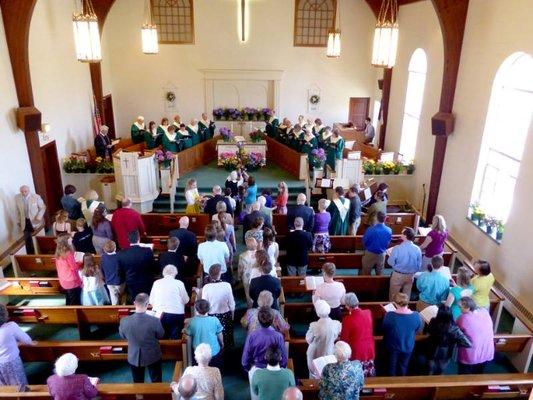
point(266, 199)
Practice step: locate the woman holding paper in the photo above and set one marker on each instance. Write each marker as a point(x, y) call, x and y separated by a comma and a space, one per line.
point(66, 384)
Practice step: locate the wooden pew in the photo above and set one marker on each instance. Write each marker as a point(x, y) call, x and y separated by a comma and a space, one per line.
point(160, 242)
point(287, 158)
point(504, 343)
point(162, 224)
point(30, 287)
point(442, 387)
point(45, 244)
point(197, 156)
point(37, 263)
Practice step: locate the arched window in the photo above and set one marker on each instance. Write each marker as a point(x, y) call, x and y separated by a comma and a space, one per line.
point(174, 20)
point(413, 103)
point(313, 19)
point(507, 125)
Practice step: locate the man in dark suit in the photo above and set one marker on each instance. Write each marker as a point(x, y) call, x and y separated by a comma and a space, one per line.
point(265, 282)
point(211, 204)
point(304, 212)
point(171, 256)
point(188, 247)
point(298, 243)
point(249, 219)
point(102, 143)
point(143, 331)
point(138, 266)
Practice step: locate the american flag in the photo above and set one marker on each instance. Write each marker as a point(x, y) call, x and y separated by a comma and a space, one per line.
point(97, 119)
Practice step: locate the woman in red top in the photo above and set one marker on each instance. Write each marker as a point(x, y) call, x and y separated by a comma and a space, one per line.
point(283, 197)
point(358, 332)
point(68, 272)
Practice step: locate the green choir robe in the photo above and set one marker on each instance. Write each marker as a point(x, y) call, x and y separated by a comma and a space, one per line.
point(185, 137)
point(334, 151)
point(137, 133)
point(206, 129)
point(152, 139)
point(283, 134)
point(161, 130)
point(272, 127)
point(170, 143)
point(323, 139)
point(318, 130)
point(194, 131)
point(308, 144)
point(293, 140)
point(338, 209)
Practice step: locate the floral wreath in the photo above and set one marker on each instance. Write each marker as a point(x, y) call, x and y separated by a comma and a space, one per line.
point(314, 99)
point(171, 96)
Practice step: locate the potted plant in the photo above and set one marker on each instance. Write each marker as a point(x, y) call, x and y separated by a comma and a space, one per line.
point(378, 168)
point(490, 224)
point(317, 158)
point(397, 168)
point(219, 114)
point(226, 134)
point(387, 166)
point(103, 166)
point(229, 161)
point(74, 165)
point(499, 230)
point(250, 113)
point(265, 114)
point(473, 211)
point(368, 167)
point(256, 136)
point(410, 168)
point(253, 161)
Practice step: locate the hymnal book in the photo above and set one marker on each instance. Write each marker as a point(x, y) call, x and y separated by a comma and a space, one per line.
point(78, 256)
point(320, 362)
point(106, 349)
point(423, 231)
point(117, 349)
point(389, 307)
point(429, 313)
point(94, 381)
point(311, 282)
point(44, 284)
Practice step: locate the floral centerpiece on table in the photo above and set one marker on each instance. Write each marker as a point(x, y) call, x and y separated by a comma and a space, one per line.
point(229, 160)
point(253, 161)
point(266, 113)
point(74, 165)
point(164, 158)
point(103, 166)
point(219, 113)
point(226, 134)
point(317, 158)
point(256, 136)
point(250, 113)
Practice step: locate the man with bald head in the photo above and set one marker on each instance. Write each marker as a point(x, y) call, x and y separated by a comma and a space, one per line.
point(30, 214)
point(187, 248)
point(292, 393)
point(124, 221)
point(211, 204)
point(304, 212)
point(102, 143)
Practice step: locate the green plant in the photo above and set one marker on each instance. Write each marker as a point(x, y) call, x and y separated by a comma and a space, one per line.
point(73, 165)
point(369, 167)
point(410, 168)
point(103, 166)
point(500, 227)
point(397, 168)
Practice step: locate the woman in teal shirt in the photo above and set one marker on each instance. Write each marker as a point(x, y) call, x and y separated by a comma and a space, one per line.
point(251, 194)
point(463, 288)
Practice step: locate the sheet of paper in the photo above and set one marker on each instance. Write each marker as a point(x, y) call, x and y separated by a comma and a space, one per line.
point(147, 245)
point(389, 307)
point(368, 193)
point(239, 139)
point(94, 381)
point(320, 362)
point(78, 256)
point(325, 183)
point(423, 231)
point(429, 313)
point(311, 282)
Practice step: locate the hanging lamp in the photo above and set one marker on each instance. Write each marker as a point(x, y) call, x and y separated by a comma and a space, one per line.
point(334, 38)
point(86, 34)
point(386, 35)
point(150, 43)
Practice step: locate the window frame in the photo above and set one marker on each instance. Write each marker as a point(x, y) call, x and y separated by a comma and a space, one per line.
point(330, 28)
point(178, 16)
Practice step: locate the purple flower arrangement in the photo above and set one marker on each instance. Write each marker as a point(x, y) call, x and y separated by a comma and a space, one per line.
point(254, 161)
point(233, 114)
point(226, 133)
point(219, 113)
point(164, 157)
point(267, 113)
point(317, 158)
point(246, 114)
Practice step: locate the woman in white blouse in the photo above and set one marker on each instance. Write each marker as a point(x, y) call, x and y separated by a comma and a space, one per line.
point(330, 291)
point(222, 304)
point(247, 262)
point(271, 247)
point(192, 197)
point(261, 256)
point(208, 379)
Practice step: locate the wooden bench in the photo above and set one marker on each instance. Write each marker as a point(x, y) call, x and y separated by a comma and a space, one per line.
point(30, 287)
point(36, 263)
point(162, 224)
point(160, 242)
point(44, 244)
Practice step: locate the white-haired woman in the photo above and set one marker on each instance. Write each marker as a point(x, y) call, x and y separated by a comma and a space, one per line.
point(208, 379)
point(168, 298)
point(65, 384)
point(321, 336)
point(343, 379)
point(434, 243)
point(263, 208)
point(250, 321)
point(321, 241)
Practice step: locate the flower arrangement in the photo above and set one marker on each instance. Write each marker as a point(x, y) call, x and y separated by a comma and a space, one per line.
point(250, 113)
point(219, 114)
point(490, 224)
point(164, 158)
point(256, 136)
point(244, 114)
point(410, 168)
point(74, 165)
point(103, 166)
point(317, 158)
point(372, 167)
point(229, 160)
point(253, 161)
point(234, 114)
point(266, 113)
point(499, 230)
point(388, 166)
point(226, 134)
point(369, 167)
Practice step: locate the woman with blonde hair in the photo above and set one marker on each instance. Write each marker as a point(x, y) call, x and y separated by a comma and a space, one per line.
point(67, 272)
point(461, 288)
point(192, 197)
point(247, 260)
point(434, 243)
point(61, 224)
point(283, 197)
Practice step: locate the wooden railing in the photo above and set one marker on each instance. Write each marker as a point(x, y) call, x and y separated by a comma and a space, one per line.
point(285, 157)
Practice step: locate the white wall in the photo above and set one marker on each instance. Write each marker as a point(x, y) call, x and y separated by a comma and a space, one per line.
point(14, 162)
point(137, 80)
point(419, 28)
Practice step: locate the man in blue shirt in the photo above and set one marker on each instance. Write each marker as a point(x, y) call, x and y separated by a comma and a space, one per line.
point(433, 285)
point(405, 260)
point(376, 241)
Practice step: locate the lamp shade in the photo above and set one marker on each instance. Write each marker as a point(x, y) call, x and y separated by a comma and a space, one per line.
point(334, 44)
point(87, 38)
point(385, 45)
point(150, 43)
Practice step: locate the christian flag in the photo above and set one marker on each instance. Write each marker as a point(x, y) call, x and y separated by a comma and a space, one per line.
point(97, 119)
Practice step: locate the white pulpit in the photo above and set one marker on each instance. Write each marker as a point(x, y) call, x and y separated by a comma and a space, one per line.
point(136, 178)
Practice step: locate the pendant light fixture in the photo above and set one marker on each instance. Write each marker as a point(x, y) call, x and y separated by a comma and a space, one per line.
point(86, 34)
point(386, 35)
point(334, 38)
point(150, 44)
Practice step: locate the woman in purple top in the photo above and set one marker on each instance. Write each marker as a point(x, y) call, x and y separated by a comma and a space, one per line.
point(475, 323)
point(321, 242)
point(102, 231)
point(11, 367)
point(66, 385)
point(434, 243)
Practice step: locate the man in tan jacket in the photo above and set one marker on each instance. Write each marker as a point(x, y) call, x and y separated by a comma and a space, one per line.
point(30, 212)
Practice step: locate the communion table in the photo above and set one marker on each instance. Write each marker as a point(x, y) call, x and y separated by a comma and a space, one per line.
point(249, 147)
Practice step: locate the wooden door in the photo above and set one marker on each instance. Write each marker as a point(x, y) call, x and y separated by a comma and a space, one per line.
point(53, 183)
point(109, 118)
point(359, 107)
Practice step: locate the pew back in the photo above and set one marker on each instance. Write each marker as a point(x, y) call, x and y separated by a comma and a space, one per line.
point(162, 224)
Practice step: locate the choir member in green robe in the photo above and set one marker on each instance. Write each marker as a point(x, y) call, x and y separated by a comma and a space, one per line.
point(309, 125)
point(163, 128)
point(184, 136)
point(170, 140)
point(137, 130)
point(272, 125)
point(207, 127)
point(308, 142)
point(301, 120)
point(283, 130)
point(323, 138)
point(338, 209)
point(294, 137)
point(193, 130)
point(177, 122)
point(151, 138)
point(334, 148)
point(318, 128)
